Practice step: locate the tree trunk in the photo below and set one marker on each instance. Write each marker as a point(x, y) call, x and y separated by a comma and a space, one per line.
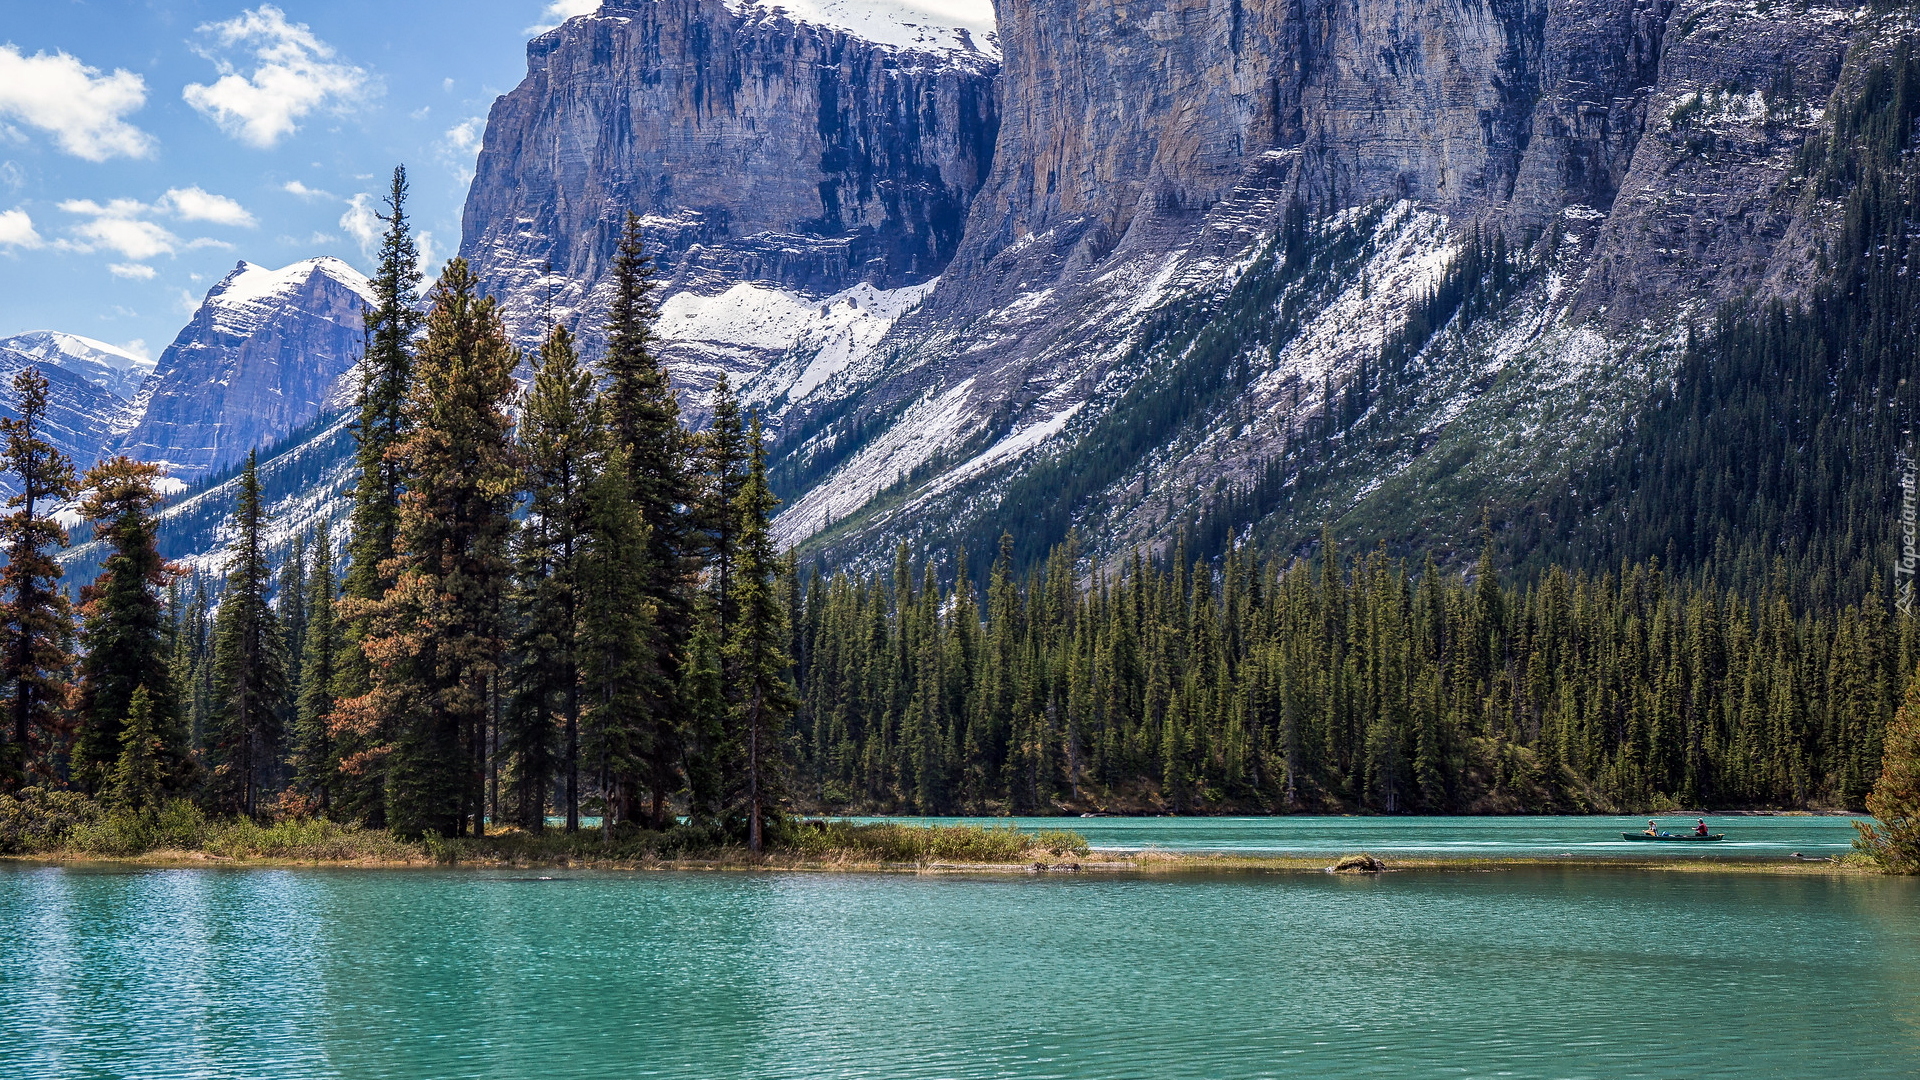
point(573, 772)
point(753, 775)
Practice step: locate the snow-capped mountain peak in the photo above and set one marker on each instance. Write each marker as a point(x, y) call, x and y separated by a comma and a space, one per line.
point(250, 292)
point(109, 367)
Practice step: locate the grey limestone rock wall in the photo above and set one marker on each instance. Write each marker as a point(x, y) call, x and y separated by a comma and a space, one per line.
point(756, 149)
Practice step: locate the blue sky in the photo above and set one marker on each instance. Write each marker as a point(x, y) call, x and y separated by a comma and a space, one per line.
point(145, 148)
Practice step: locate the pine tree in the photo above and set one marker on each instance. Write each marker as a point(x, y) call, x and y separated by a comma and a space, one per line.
point(1893, 839)
point(123, 628)
point(620, 675)
point(290, 604)
point(561, 448)
point(315, 759)
point(644, 415)
point(755, 660)
point(249, 667)
point(142, 775)
point(386, 372)
point(189, 645)
point(436, 640)
point(36, 621)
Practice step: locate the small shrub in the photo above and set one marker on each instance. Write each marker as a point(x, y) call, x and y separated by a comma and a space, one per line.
point(308, 840)
point(1061, 842)
point(38, 820)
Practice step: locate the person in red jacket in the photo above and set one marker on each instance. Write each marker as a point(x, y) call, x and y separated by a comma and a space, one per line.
point(1700, 829)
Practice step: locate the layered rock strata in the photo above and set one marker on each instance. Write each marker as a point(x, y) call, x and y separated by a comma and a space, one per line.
point(798, 159)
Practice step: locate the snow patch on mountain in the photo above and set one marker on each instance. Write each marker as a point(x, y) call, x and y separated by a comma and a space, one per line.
point(819, 340)
point(791, 342)
point(1012, 446)
point(250, 294)
point(934, 423)
point(1411, 255)
point(109, 367)
point(928, 25)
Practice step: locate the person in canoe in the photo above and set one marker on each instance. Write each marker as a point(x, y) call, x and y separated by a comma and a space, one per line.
point(1652, 829)
point(1701, 828)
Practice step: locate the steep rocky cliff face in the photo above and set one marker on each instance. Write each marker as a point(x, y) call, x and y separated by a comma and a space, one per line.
point(1131, 332)
point(784, 171)
point(263, 355)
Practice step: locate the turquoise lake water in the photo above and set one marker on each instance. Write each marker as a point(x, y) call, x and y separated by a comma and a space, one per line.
point(1547, 837)
point(1538, 972)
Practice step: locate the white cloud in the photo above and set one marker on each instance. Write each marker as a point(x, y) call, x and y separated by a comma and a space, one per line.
point(16, 229)
point(295, 75)
point(363, 224)
point(300, 190)
point(560, 11)
point(131, 237)
point(424, 263)
point(12, 175)
point(139, 271)
point(461, 144)
point(137, 347)
point(80, 107)
point(193, 204)
point(464, 137)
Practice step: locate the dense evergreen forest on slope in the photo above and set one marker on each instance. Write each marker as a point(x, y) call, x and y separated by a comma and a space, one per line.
point(1774, 448)
point(1334, 685)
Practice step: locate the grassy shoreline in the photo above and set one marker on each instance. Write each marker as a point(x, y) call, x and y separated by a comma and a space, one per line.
point(1095, 861)
point(62, 828)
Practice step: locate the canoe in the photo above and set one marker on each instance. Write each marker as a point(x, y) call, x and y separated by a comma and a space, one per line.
point(1673, 836)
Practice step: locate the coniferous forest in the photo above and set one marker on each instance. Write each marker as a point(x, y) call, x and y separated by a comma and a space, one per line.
point(560, 602)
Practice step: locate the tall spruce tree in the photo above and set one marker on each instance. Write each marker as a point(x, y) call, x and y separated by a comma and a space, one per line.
point(249, 676)
point(315, 759)
point(36, 621)
point(290, 604)
point(386, 371)
point(723, 462)
point(123, 629)
point(561, 448)
point(190, 643)
point(1893, 837)
point(142, 774)
point(437, 639)
point(620, 674)
point(644, 416)
point(755, 660)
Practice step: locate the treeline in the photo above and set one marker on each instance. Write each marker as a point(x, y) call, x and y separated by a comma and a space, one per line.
point(577, 609)
point(1334, 685)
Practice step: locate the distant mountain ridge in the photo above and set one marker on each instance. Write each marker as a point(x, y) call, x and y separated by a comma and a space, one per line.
point(108, 367)
point(263, 354)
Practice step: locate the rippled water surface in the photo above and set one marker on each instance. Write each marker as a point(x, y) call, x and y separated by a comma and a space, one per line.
point(1529, 837)
point(1540, 972)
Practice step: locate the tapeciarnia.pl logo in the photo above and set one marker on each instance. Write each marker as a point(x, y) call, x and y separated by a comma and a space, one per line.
point(1905, 563)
